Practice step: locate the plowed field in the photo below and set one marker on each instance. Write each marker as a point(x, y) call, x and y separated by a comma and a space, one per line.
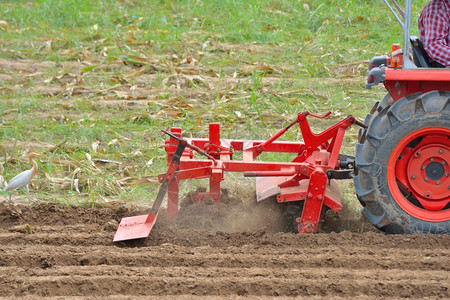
point(47, 250)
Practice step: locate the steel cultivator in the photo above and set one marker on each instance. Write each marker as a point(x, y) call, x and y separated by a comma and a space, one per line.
point(310, 178)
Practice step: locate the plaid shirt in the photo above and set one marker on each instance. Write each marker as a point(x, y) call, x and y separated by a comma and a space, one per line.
point(434, 28)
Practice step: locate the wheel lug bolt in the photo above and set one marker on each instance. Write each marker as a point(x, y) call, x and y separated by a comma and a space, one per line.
point(413, 177)
point(441, 151)
point(438, 183)
point(423, 167)
point(426, 179)
point(446, 174)
point(432, 159)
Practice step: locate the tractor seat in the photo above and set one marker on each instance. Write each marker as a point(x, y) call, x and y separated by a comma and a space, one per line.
point(420, 56)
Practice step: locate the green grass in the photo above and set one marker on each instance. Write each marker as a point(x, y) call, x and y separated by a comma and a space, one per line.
point(313, 33)
point(117, 72)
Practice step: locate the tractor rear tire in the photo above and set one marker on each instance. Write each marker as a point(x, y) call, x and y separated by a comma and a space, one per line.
point(402, 165)
point(377, 108)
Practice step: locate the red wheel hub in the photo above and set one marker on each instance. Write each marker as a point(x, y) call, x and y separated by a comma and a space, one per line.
point(418, 174)
point(428, 172)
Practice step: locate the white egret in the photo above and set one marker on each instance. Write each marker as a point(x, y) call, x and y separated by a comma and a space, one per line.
point(23, 179)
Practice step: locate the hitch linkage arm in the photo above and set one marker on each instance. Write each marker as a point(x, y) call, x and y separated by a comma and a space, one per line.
point(312, 141)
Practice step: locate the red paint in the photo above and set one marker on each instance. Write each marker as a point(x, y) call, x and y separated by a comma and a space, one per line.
point(401, 83)
point(408, 166)
point(312, 158)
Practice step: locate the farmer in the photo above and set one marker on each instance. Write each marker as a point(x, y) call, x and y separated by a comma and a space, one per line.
point(434, 28)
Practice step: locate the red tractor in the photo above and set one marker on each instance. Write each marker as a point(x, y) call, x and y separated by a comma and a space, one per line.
point(401, 168)
point(402, 158)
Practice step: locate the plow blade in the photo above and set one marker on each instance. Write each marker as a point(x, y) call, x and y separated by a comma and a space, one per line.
point(134, 228)
point(268, 186)
point(139, 227)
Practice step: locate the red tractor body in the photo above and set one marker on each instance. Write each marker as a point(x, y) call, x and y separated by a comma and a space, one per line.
point(403, 157)
point(401, 83)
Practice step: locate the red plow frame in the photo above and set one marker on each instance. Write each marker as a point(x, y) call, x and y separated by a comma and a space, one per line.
point(309, 177)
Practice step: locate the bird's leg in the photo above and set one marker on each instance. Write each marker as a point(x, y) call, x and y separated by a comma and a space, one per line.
point(9, 200)
point(28, 193)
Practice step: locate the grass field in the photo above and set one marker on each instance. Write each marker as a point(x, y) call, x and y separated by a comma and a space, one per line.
point(90, 84)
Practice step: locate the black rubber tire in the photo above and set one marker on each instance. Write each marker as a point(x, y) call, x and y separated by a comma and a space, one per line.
point(387, 127)
point(379, 107)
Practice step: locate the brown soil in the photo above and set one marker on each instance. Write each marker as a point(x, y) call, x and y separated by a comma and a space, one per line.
point(224, 250)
